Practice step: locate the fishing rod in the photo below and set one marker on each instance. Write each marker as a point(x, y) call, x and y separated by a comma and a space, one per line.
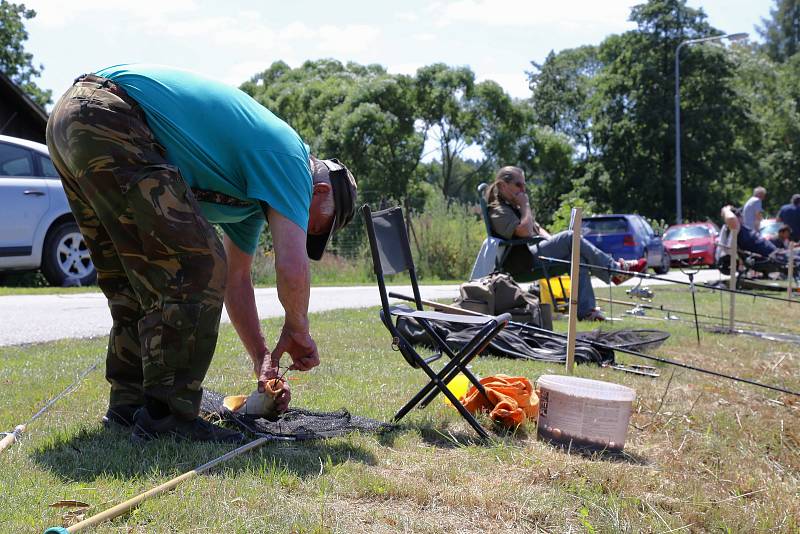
point(11, 437)
point(133, 502)
point(661, 307)
point(646, 276)
point(598, 344)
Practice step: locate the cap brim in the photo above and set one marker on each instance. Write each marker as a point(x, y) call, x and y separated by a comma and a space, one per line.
point(315, 244)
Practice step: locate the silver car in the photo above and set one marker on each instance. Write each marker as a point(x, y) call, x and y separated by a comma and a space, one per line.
point(37, 229)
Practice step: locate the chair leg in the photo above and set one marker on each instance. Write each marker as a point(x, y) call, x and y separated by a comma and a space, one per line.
point(465, 356)
point(446, 380)
point(429, 387)
point(440, 386)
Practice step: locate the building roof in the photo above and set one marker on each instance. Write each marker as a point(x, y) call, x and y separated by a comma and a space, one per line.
point(15, 98)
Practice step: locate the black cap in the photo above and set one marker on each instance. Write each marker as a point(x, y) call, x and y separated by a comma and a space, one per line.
point(343, 185)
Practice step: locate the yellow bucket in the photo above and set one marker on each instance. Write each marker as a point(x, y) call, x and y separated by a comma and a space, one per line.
point(459, 386)
point(548, 284)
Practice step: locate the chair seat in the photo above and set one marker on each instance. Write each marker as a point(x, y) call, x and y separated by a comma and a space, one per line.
point(405, 311)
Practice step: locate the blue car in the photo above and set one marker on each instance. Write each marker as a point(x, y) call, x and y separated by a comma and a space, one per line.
point(627, 236)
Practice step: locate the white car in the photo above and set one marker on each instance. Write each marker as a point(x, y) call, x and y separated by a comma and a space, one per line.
point(37, 229)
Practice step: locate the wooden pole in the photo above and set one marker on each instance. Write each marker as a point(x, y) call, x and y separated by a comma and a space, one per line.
point(790, 277)
point(734, 251)
point(133, 502)
point(574, 273)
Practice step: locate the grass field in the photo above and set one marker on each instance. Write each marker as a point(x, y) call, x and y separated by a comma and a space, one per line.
point(702, 453)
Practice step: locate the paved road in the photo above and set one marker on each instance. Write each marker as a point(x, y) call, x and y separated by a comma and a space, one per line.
point(37, 318)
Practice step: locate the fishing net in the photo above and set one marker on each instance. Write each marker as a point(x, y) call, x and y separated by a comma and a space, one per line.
point(772, 336)
point(520, 342)
point(639, 339)
point(296, 424)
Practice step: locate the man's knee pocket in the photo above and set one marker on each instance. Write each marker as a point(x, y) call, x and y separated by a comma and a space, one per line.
point(169, 335)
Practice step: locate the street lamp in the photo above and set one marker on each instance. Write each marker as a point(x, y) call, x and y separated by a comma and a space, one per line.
point(730, 37)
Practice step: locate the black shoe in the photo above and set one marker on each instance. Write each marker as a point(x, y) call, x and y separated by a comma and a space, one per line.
point(197, 429)
point(121, 415)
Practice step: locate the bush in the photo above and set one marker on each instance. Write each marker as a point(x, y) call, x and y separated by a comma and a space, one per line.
point(446, 239)
point(331, 269)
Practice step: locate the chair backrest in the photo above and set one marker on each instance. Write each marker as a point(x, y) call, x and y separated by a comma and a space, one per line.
point(484, 208)
point(391, 252)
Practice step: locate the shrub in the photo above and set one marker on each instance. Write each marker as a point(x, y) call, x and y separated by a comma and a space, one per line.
point(446, 239)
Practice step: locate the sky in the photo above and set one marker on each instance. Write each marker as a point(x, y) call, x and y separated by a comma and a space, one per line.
point(235, 39)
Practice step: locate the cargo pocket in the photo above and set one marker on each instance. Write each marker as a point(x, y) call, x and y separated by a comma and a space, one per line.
point(164, 212)
point(179, 336)
point(168, 339)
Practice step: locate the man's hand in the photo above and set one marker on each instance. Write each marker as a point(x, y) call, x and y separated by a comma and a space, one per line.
point(521, 199)
point(300, 347)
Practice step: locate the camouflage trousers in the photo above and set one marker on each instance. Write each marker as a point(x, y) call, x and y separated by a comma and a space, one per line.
point(159, 263)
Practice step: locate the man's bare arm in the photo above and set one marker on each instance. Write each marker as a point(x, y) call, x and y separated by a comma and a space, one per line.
point(241, 303)
point(293, 280)
point(291, 269)
point(731, 221)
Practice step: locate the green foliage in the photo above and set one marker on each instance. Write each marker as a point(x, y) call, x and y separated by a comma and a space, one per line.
point(633, 123)
point(771, 91)
point(15, 62)
point(562, 89)
point(444, 98)
point(562, 215)
point(446, 237)
point(781, 33)
point(359, 114)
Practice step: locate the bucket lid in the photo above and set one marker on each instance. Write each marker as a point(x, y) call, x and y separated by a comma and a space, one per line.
point(584, 387)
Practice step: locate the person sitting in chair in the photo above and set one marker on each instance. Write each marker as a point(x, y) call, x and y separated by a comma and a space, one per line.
point(782, 240)
point(511, 217)
point(749, 240)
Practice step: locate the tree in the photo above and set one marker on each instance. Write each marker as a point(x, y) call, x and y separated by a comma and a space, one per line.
point(781, 33)
point(15, 62)
point(563, 88)
point(633, 118)
point(444, 99)
point(772, 93)
point(360, 114)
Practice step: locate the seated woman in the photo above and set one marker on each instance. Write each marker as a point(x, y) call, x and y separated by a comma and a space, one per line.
point(511, 217)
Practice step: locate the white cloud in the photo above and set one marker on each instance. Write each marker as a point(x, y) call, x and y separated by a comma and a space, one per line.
point(424, 37)
point(57, 13)
point(407, 16)
point(569, 14)
point(345, 40)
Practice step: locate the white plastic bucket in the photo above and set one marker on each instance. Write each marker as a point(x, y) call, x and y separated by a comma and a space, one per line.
point(587, 413)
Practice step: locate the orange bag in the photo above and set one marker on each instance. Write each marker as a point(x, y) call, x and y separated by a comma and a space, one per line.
point(511, 399)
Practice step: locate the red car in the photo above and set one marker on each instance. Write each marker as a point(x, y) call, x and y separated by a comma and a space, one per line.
point(692, 243)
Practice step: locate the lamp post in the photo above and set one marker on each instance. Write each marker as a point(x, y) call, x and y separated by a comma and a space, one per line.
point(729, 36)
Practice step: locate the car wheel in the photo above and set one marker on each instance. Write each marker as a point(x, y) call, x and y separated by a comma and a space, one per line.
point(665, 262)
point(65, 257)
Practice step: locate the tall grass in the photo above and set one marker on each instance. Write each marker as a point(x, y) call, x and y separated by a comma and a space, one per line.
point(444, 238)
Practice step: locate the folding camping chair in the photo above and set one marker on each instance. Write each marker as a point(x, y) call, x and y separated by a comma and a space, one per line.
point(391, 254)
point(540, 269)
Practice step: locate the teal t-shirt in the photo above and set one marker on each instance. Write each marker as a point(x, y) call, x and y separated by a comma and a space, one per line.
point(222, 140)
